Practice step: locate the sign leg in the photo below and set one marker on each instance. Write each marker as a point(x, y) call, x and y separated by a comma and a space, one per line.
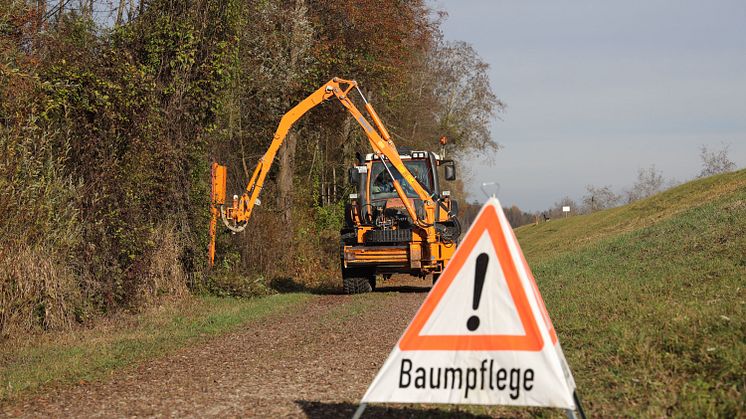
point(578, 404)
point(578, 407)
point(360, 410)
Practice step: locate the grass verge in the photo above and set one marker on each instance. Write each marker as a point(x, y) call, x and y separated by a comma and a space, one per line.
point(653, 320)
point(85, 355)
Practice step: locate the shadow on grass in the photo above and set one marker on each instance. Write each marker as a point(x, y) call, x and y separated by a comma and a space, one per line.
point(318, 410)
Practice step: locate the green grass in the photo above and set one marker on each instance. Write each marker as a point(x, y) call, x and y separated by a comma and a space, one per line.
point(91, 354)
point(548, 240)
point(648, 300)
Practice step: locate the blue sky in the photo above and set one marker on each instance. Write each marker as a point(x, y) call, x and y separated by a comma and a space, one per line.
point(598, 90)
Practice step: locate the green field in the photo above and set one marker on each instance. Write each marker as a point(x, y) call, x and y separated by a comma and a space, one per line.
point(648, 300)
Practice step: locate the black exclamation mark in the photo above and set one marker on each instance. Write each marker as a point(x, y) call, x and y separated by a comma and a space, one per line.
point(481, 270)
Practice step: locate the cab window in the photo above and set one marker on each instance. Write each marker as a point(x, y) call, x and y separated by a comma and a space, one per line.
point(381, 186)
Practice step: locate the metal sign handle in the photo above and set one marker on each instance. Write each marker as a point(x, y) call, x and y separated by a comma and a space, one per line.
point(495, 185)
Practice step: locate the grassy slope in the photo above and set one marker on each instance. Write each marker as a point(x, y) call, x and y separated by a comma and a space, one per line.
point(92, 353)
point(648, 299)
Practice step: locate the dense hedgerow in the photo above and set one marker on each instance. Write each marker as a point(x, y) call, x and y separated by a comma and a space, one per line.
point(107, 134)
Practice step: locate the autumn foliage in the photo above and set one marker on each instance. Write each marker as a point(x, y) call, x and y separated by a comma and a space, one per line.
point(108, 128)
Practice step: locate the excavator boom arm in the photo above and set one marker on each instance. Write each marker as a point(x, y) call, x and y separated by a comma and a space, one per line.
point(237, 215)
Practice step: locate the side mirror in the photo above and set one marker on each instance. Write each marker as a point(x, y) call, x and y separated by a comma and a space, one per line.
point(353, 176)
point(450, 169)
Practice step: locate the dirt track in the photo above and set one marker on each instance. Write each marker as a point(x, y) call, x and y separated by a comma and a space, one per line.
point(314, 362)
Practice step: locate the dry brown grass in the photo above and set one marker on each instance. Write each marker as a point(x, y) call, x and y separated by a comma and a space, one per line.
point(38, 230)
point(164, 274)
point(37, 291)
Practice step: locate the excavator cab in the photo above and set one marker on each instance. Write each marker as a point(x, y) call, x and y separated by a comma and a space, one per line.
point(379, 236)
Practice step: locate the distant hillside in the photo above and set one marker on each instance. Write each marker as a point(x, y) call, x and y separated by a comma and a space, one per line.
point(561, 235)
point(648, 299)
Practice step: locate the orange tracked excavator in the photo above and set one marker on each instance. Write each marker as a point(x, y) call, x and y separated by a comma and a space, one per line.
point(399, 221)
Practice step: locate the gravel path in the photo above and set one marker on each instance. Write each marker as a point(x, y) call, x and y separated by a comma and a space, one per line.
point(315, 362)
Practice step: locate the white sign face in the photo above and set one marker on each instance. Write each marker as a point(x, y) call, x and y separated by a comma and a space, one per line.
point(565, 209)
point(482, 335)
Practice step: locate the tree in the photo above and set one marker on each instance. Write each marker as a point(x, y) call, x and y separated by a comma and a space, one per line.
point(516, 217)
point(449, 95)
point(649, 182)
point(556, 210)
point(112, 121)
point(297, 54)
point(599, 198)
point(716, 161)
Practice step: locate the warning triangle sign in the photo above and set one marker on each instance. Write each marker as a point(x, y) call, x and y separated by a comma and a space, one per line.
point(482, 335)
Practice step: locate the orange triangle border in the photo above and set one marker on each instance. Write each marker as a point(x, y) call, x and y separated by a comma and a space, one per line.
point(532, 340)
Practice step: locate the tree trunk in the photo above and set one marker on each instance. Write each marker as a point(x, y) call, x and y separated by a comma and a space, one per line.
point(298, 46)
point(347, 145)
point(285, 178)
point(120, 13)
point(41, 6)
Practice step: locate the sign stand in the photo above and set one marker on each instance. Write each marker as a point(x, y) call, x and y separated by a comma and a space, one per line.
point(579, 407)
point(482, 336)
point(361, 409)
